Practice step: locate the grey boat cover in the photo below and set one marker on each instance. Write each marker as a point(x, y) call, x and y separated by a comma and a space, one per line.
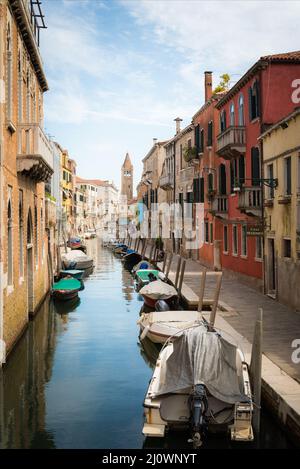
point(201, 357)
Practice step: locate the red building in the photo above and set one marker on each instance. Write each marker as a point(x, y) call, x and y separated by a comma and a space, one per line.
point(260, 98)
point(206, 123)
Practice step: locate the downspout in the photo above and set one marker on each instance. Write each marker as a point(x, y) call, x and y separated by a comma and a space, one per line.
point(2, 100)
point(262, 187)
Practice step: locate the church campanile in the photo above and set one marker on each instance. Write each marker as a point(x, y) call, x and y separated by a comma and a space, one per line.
point(127, 178)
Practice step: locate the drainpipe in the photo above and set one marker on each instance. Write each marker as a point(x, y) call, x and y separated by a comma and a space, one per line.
point(262, 188)
point(2, 99)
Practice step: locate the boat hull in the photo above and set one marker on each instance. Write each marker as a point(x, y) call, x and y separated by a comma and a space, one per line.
point(62, 295)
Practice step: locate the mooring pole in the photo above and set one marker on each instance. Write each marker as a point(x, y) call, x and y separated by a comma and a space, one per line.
point(255, 370)
point(212, 317)
point(177, 272)
point(202, 289)
point(169, 265)
point(165, 261)
point(181, 277)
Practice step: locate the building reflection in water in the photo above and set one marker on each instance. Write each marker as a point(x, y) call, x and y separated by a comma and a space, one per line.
point(23, 381)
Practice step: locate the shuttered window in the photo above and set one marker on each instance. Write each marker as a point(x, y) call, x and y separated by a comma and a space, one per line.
point(288, 175)
point(210, 134)
point(255, 166)
point(222, 180)
point(254, 101)
point(201, 141)
point(241, 169)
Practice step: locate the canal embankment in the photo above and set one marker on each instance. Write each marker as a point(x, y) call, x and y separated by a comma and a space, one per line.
point(236, 314)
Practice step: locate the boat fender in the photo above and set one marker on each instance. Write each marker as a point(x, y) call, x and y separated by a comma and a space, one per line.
point(162, 276)
point(144, 333)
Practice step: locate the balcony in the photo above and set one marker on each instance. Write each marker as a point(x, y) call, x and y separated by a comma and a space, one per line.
point(166, 181)
point(35, 157)
point(220, 206)
point(232, 142)
point(250, 201)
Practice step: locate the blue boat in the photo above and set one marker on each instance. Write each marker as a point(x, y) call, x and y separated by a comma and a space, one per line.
point(78, 274)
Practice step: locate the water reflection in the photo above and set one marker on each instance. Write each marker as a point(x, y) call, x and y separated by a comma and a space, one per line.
point(78, 376)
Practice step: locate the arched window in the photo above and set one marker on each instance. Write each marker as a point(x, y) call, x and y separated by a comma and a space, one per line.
point(9, 72)
point(232, 120)
point(241, 110)
point(255, 166)
point(210, 182)
point(222, 180)
point(20, 87)
point(254, 101)
point(9, 244)
point(36, 241)
point(21, 243)
point(29, 227)
point(28, 113)
point(223, 121)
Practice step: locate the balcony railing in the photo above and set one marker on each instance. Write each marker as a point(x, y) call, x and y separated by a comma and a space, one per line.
point(220, 204)
point(35, 156)
point(166, 181)
point(250, 200)
point(232, 142)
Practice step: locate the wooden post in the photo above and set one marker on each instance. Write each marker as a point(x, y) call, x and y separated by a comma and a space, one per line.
point(181, 276)
point(214, 306)
point(165, 262)
point(136, 244)
point(151, 253)
point(177, 272)
point(202, 290)
point(255, 370)
point(144, 248)
point(169, 265)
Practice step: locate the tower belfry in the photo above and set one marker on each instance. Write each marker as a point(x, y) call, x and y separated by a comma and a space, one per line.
point(127, 178)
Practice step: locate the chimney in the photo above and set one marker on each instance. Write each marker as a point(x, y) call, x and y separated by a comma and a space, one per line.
point(154, 141)
point(208, 85)
point(178, 120)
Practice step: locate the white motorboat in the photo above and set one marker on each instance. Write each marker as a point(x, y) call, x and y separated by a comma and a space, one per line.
point(158, 290)
point(76, 259)
point(159, 326)
point(200, 382)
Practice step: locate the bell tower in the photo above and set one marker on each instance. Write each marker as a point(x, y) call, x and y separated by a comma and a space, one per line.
point(127, 178)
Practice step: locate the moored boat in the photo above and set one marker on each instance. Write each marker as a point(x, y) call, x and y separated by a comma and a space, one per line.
point(78, 274)
point(159, 326)
point(200, 382)
point(158, 290)
point(76, 259)
point(66, 289)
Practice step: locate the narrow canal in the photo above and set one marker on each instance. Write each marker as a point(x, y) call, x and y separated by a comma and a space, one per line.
point(78, 376)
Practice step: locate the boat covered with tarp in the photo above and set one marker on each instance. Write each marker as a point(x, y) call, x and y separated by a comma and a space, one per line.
point(200, 382)
point(158, 290)
point(73, 273)
point(76, 259)
point(159, 326)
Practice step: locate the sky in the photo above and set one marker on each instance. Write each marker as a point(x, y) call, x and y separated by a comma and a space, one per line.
point(121, 71)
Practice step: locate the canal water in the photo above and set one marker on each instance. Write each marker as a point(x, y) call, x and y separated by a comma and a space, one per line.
point(78, 376)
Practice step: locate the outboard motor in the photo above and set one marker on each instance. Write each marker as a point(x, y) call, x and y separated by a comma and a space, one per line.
point(151, 277)
point(198, 407)
point(162, 305)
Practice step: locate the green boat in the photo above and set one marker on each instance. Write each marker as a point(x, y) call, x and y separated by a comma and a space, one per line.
point(66, 289)
point(145, 276)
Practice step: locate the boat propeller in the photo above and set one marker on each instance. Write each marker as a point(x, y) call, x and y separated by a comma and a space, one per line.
point(198, 408)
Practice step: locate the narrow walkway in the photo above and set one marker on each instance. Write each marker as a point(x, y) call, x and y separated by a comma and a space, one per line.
point(281, 324)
